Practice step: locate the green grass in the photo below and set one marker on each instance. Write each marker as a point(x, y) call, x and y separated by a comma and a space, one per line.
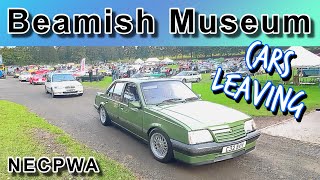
point(173, 66)
point(100, 84)
point(312, 101)
point(17, 139)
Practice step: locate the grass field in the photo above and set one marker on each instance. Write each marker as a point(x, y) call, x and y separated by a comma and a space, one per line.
point(173, 66)
point(312, 101)
point(25, 134)
point(100, 85)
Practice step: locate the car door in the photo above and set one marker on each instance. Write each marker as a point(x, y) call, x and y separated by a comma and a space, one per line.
point(188, 77)
point(132, 116)
point(113, 100)
point(193, 77)
point(48, 85)
point(197, 76)
point(106, 100)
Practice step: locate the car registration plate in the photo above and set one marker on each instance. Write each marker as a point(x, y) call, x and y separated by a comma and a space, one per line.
point(234, 147)
point(70, 90)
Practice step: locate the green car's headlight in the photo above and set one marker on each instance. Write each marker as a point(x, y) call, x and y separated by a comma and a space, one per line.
point(201, 136)
point(249, 126)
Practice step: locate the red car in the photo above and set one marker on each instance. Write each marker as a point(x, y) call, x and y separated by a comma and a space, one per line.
point(37, 79)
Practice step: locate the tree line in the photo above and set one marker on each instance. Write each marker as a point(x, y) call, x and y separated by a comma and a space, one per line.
point(65, 54)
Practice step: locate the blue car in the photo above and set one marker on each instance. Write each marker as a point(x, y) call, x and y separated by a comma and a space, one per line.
point(2, 75)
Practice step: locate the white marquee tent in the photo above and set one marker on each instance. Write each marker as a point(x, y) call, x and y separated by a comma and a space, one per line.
point(167, 60)
point(153, 60)
point(139, 61)
point(304, 58)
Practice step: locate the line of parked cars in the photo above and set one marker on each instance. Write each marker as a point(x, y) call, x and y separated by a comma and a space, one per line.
point(55, 83)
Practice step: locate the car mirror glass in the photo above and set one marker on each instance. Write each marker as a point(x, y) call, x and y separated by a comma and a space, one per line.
point(100, 93)
point(135, 104)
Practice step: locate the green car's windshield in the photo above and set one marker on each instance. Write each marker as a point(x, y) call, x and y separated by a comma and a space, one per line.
point(159, 92)
point(62, 77)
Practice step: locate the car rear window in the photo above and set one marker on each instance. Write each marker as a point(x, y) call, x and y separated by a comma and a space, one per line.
point(117, 92)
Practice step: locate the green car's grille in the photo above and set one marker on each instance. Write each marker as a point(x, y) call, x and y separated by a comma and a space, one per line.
point(229, 134)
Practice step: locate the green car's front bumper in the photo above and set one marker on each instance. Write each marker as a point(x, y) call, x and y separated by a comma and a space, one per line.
point(212, 152)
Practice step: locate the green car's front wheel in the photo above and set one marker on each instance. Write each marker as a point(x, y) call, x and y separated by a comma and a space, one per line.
point(104, 118)
point(160, 146)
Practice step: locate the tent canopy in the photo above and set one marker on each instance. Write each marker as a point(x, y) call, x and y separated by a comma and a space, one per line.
point(139, 61)
point(304, 58)
point(152, 60)
point(167, 60)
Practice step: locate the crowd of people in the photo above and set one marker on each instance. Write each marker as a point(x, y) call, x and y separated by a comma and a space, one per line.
point(126, 69)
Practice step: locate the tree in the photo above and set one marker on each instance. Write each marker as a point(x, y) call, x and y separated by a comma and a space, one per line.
point(65, 54)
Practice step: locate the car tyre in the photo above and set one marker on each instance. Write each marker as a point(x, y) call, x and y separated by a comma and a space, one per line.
point(160, 146)
point(198, 80)
point(80, 94)
point(45, 90)
point(104, 117)
point(52, 94)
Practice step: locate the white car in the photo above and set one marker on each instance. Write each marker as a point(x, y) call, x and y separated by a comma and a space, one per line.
point(188, 76)
point(25, 76)
point(63, 84)
point(226, 72)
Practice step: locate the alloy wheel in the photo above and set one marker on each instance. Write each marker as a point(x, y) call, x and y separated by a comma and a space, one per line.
point(159, 145)
point(102, 115)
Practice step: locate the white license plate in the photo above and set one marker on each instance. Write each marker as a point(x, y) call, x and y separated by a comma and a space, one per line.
point(70, 90)
point(234, 147)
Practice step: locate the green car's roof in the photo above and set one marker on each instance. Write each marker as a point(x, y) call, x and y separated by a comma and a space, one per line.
point(142, 80)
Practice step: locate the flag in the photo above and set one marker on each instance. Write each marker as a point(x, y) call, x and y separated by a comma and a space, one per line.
point(83, 65)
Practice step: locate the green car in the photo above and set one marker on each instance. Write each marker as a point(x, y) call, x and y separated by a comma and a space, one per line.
point(175, 122)
point(157, 75)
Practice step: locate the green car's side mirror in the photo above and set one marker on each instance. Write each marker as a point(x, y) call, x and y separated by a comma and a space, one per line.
point(99, 93)
point(135, 104)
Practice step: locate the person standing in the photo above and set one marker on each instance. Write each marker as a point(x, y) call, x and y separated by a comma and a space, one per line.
point(117, 73)
point(90, 75)
point(113, 73)
point(128, 73)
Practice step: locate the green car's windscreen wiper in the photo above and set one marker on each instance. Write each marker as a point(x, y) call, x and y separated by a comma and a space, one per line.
point(191, 98)
point(170, 100)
